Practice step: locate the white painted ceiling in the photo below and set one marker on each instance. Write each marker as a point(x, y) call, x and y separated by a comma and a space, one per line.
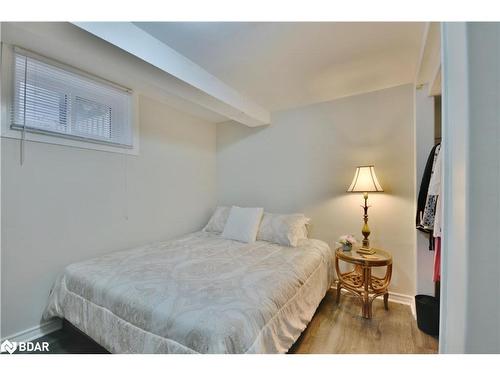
point(284, 65)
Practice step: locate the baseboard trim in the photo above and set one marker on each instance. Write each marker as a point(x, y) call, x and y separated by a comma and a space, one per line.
point(35, 332)
point(404, 299)
point(400, 298)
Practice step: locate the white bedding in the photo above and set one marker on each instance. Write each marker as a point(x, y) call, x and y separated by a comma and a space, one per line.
point(197, 294)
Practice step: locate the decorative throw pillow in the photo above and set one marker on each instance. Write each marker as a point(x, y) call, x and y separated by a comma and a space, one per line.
point(285, 230)
point(218, 220)
point(242, 224)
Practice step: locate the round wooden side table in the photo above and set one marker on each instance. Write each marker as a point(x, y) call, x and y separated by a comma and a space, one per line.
point(360, 280)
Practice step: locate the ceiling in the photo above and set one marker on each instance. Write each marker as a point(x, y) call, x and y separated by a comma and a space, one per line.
point(284, 65)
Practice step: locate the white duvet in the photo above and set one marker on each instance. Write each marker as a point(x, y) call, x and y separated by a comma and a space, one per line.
point(197, 294)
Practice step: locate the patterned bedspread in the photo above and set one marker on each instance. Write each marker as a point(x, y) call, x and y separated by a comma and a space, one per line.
point(197, 294)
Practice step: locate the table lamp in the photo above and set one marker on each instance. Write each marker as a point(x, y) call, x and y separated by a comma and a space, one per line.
point(365, 181)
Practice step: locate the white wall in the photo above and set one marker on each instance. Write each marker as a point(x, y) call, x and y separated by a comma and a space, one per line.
point(305, 160)
point(470, 291)
point(483, 326)
point(0, 193)
point(453, 304)
point(67, 204)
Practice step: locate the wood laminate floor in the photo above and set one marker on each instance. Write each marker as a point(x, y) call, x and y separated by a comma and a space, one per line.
point(333, 329)
point(341, 329)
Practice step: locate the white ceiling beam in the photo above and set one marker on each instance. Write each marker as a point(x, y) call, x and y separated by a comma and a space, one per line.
point(201, 87)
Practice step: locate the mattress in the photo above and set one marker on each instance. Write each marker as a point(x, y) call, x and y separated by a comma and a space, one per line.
point(196, 294)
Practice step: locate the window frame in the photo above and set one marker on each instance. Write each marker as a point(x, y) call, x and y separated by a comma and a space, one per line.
point(34, 135)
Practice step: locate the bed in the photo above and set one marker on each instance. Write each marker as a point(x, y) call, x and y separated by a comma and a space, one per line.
point(197, 294)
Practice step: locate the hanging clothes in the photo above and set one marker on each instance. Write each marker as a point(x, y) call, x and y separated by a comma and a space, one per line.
point(436, 189)
point(424, 188)
point(437, 260)
point(426, 203)
point(433, 190)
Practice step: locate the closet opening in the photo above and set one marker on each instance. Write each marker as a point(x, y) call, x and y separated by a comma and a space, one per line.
point(428, 177)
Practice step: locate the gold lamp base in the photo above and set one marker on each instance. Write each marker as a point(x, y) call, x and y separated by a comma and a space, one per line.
point(365, 248)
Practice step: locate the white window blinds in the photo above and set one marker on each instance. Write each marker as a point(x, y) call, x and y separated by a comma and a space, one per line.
point(52, 100)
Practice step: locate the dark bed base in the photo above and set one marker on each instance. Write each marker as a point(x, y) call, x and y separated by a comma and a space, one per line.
point(71, 340)
point(75, 341)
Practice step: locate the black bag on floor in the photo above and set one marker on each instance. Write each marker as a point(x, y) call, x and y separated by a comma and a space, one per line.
point(427, 314)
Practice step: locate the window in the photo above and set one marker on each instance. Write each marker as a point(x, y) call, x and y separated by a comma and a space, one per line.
point(52, 100)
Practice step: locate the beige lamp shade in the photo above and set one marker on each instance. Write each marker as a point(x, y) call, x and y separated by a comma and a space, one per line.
point(365, 180)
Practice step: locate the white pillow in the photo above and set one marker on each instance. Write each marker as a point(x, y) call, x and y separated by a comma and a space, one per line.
point(243, 224)
point(285, 230)
point(218, 220)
